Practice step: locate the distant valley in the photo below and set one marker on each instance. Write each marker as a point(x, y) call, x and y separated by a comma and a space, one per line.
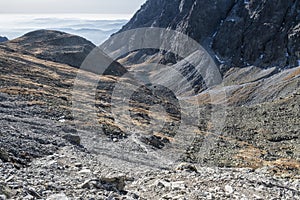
point(96, 28)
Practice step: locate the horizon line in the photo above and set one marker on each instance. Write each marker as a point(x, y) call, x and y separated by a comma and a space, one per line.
point(105, 16)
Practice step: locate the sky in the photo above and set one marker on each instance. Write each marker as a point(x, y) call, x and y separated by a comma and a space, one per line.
point(70, 6)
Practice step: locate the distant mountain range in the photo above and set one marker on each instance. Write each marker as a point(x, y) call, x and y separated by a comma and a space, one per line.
point(96, 28)
point(3, 39)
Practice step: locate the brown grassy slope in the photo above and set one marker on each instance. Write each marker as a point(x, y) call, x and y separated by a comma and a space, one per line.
point(254, 136)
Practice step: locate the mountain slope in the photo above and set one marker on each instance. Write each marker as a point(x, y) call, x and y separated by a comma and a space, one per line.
point(39, 131)
point(54, 46)
point(254, 43)
point(133, 146)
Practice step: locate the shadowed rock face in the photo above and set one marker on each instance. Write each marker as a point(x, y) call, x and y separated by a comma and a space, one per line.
point(54, 46)
point(3, 39)
point(239, 33)
point(264, 33)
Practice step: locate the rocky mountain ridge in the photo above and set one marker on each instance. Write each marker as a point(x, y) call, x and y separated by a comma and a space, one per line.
point(237, 33)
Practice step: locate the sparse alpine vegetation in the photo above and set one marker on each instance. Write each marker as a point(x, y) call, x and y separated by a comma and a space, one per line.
point(256, 154)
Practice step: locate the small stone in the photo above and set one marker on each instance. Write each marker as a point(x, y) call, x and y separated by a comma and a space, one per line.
point(33, 192)
point(85, 185)
point(28, 197)
point(186, 167)
point(84, 171)
point(209, 196)
point(9, 179)
point(179, 185)
point(58, 197)
point(257, 197)
point(73, 139)
point(228, 189)
point(4, 190)
point(162, 184)
point(52, 162)
point(2, 197)
point(116, 181)
point(179, 197)
point(79, 165)
point(4, 156)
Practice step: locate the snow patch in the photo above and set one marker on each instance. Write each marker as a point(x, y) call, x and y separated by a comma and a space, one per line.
point(214, 35)
point(287, 54)
point(181, 5)
point(231, 20)
point(219, 59)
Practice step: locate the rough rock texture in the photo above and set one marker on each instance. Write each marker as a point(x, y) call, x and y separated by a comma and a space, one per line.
point(36, 112)
point(3, 39)
point(48, 153)
point(73, 174)
point(252, 85)
point(54, 46)
point(262, 33)
point(239, 33)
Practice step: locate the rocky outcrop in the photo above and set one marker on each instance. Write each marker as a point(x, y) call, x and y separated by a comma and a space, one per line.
point(3, 39)
point(262, 33)
point(237, 33)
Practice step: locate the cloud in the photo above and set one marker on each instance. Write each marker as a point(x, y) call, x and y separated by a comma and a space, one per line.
point(70, 6)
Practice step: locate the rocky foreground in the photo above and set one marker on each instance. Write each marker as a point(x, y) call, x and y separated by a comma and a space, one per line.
point(71, 173)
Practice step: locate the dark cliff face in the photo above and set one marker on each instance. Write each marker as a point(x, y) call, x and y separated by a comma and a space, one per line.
point(262, 33)
point(238, 33)
point(198, 19)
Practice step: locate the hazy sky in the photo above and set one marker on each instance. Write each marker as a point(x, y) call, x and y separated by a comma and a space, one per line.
point(71, 6)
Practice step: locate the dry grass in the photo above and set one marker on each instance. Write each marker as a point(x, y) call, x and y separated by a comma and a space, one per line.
point(294, 74)
point(161, 135)
point(251, 158)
